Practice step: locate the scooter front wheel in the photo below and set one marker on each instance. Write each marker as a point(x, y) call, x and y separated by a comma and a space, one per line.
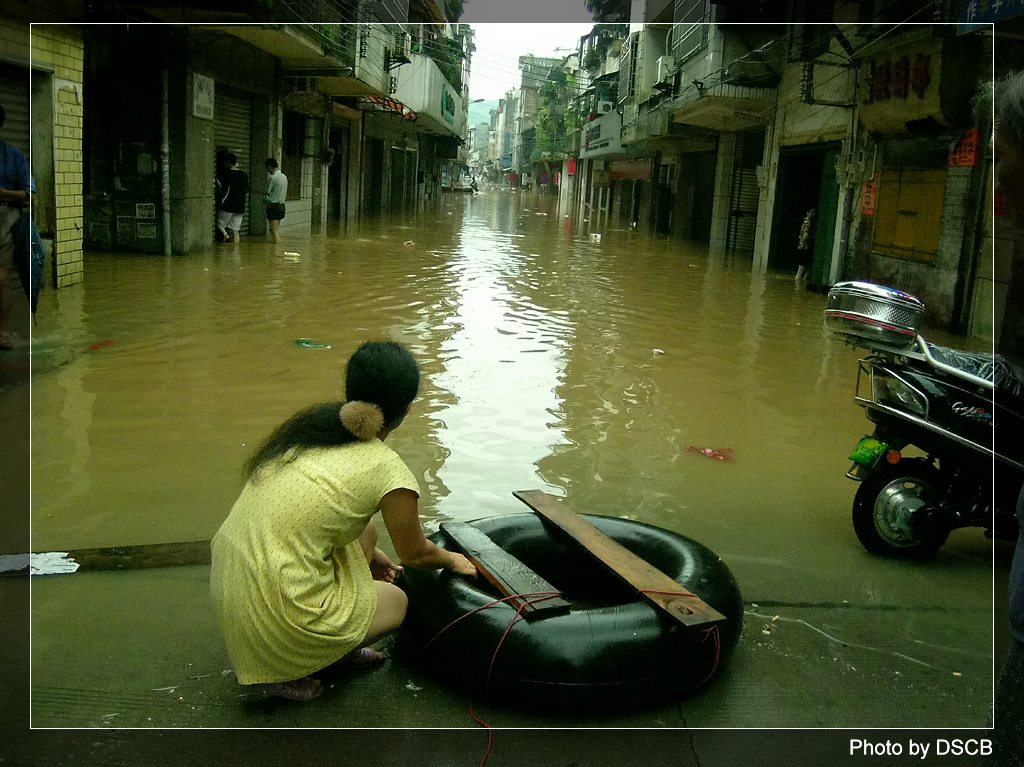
point(887, 510)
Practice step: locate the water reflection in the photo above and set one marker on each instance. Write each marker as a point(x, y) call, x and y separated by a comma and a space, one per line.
point(586, 369)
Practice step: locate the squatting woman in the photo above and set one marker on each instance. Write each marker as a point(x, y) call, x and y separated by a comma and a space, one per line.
point(297, 579)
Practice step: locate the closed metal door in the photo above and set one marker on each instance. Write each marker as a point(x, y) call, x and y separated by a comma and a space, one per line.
point(232, 117)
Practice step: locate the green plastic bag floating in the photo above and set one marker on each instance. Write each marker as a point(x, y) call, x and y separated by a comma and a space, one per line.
point(306, 343)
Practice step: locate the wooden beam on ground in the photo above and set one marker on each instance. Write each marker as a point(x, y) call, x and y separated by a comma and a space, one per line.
point(114, 558)
point(656, 587)
point(506, 573)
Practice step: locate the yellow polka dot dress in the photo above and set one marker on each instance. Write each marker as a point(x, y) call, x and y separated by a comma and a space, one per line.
point(290, 584)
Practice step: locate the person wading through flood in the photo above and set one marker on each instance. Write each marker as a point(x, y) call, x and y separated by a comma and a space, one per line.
point(805, 247)
point(297, 580)
point(277, 192)
point(233, 190)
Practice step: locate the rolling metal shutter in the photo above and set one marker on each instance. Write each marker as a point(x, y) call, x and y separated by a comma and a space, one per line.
point(14, 97)
point(232, 117)
point(744, 196)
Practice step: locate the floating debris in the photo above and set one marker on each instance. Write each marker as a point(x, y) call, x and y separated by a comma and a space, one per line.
point(719, 454)
point(412, 687)
point(306, 343)
point(101, 344)
point(409, 244)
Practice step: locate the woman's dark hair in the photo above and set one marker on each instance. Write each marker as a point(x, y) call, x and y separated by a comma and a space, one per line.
point(383, 373)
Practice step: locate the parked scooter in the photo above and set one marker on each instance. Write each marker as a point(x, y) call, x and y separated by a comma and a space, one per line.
point(964, 411)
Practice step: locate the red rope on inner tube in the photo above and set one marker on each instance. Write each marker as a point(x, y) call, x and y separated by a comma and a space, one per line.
point(711, 632)
point(490, 734)
point(540, 596)
point(543, 595)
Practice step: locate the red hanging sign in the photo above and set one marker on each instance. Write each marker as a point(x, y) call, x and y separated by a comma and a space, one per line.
point(965, 153)
point(868, 197)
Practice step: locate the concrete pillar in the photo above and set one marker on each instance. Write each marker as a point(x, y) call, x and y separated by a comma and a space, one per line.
point(725, 161)
point(192, 147)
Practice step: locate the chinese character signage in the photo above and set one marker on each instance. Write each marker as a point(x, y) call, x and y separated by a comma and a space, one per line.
point(202, 96)
point(977, 13)
point(602, 136)
point(900, 78)
point(868, 197)
point(965, 153)
point(903, 87)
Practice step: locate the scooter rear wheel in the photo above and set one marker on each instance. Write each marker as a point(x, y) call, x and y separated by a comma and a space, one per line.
point(885, 506)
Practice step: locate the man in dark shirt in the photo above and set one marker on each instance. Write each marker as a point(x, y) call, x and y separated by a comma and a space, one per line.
point(233, 190)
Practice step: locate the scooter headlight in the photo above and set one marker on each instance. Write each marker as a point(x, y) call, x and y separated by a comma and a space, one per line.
point(889, 390)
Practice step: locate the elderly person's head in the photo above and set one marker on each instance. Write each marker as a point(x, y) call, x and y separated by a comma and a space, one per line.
point(1008, 145)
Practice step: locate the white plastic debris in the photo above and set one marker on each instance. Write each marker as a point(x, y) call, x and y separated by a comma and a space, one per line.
point(46, 563)
point(595, 238)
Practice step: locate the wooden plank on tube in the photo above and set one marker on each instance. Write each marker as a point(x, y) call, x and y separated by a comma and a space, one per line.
point(656, 587)
point(507, 574)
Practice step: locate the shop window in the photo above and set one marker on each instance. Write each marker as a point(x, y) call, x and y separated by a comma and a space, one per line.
point(909, 212)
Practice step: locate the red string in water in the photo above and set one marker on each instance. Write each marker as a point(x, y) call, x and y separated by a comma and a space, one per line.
point(490, 734)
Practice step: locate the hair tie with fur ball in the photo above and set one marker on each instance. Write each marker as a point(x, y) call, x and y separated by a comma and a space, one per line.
point(363, 419)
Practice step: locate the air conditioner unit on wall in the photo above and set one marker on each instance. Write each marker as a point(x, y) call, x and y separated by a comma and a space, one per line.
point(666, 68)
point(403, 44)
point(604, 107)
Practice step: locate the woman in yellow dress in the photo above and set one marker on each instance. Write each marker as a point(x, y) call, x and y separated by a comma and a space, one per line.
point(297, 580)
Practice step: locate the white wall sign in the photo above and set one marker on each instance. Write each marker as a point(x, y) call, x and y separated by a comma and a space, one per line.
point(202, 96)
point(602, 136)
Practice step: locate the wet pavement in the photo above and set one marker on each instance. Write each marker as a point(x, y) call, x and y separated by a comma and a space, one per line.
point(549, 362)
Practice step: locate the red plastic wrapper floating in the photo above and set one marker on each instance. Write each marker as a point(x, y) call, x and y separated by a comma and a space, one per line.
point(719, 454)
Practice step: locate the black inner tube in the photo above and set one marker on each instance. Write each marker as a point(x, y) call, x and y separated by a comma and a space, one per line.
point(612, 648)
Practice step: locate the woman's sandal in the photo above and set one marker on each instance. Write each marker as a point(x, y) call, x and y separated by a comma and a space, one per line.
point(301, 690)
point(364, 657)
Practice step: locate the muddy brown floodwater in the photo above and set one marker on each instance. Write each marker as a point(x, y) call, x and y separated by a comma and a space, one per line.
point(549, 362)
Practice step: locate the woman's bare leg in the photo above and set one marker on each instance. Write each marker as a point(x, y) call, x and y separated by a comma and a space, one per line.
point(391, 606)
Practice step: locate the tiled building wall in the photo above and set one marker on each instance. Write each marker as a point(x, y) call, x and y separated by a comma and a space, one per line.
point(61, 49)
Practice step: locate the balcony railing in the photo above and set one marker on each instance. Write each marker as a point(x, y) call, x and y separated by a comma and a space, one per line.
point(313, 18)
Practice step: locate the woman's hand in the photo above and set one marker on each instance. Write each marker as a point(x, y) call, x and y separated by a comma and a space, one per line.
point(460, 565)
point(382, 568)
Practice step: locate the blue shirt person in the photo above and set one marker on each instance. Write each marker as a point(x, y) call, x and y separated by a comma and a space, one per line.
point(16, 188)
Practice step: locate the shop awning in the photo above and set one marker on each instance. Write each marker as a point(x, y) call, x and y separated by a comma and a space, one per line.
point(388, 104)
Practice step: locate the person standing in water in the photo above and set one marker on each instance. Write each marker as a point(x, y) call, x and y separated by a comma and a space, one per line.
point(277, 192)
point(805, 246)
point(297, 580)
point(234, 190)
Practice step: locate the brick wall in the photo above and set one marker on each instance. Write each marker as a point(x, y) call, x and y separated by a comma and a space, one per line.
point(61, 49)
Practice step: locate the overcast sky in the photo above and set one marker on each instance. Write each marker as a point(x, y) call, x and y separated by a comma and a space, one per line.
point(495, 64)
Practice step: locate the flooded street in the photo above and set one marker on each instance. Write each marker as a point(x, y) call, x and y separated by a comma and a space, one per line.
point(549, 362)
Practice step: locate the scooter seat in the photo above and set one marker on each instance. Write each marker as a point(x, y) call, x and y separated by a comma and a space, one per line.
point(1007, 377)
